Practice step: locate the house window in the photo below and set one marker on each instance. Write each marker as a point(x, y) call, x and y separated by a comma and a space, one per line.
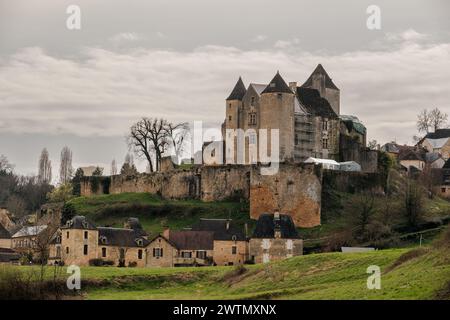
point(85, 249)
point(443, 190)
point(67, 234)
point(85, 234)
point(252, 118)
point(140, 254)
point(67, 250)
point(103, 252)
point(201, 254)
point(325, 143)
point(186, 254)
point(157, 252)
point(233, 250)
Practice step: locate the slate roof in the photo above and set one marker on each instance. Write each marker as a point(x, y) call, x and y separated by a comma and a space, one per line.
point(266, 224)
point(79, 222)
point(431, 157)
point(277, 85)
point(220, 230)
point(438, 134)
point(320, 70)
point(238, 91)
point(192, 240)
point(120, 237)
point(4, 234)
point(314, 103)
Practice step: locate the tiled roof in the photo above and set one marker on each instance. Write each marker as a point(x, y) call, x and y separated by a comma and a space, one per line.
point(266, 225)
point(277, 85)
point(314, 103)
point(219, 227)
point(238, 91)
point(320, 70)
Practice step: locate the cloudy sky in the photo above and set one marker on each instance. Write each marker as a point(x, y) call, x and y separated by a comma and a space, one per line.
point(180, 59)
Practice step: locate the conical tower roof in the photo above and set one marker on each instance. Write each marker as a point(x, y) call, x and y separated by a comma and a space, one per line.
point(238, 91)
point(277, 85)
point(320, 70)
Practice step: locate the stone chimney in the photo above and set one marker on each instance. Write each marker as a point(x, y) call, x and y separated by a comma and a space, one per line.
point(293, 86)
point(166, 232)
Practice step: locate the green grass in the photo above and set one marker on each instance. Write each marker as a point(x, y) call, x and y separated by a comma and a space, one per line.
point(155, 213)
point(316, 276)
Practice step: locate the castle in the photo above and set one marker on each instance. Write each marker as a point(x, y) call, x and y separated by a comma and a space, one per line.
point(308, 119)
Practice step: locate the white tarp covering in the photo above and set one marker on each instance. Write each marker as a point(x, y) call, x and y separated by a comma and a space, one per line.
point(326, 163)
point(349, 166)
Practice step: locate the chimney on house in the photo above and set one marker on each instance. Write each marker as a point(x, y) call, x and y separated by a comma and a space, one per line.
point(166, 232)
point(293, 86)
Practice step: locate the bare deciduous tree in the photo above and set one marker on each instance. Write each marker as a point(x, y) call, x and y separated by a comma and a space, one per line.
point(65, 169)
point(431, 120)
point(178, 134)
point(45, 168)
point(5, 166)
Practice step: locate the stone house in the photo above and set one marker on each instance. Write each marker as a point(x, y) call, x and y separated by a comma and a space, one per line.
point(230, 246)
point(275, 238)
point(411, 158)
point(79, 242)
point(442, 187)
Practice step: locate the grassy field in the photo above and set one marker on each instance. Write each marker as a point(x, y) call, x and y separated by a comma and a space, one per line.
point(154, 212)
point(406, 274)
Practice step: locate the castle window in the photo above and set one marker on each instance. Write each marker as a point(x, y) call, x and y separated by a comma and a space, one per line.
point(140, 254)
point(229, 118)
point(103, 252)
point(279, 96)
point(325, 125)
point(85, 249)
point(252, 118)
point(233, 250)
point(67, 234)
point(252, 101)
point(85, 234)
point(325, 143)
point(67, 250)
point(296, 139)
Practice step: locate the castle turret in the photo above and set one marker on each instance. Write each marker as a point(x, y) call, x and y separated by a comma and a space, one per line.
point(277, 112)
point(321, 81)
point(234, 104)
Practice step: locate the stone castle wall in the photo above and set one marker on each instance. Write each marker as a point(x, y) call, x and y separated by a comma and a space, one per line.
point(295, 189)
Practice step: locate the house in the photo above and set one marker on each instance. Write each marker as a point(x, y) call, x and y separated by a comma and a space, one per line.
point(5, 238)
point(80, 242)
point(412, 157)
point(25, 240)
point(230, 246)
point(437, 142)
point(275, 238)
point(443, 187)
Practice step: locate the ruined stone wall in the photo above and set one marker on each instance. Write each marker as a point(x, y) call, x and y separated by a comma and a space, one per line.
point(352, 150)
point(294, 190)
point(224, 182)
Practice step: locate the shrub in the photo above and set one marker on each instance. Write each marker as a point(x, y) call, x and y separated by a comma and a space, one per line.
point(96, 262)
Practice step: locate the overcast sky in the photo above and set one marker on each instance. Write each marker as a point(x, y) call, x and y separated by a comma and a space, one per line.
point(180, 59)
